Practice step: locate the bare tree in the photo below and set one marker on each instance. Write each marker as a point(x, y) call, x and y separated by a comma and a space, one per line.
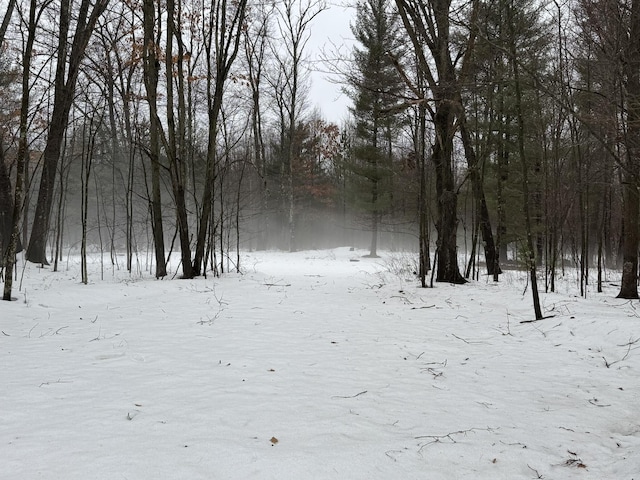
point(256, 44)
point(223, 35)
point(67, 70)
point(294, 20)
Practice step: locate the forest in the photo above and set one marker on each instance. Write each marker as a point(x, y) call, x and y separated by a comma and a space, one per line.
point(508, 130)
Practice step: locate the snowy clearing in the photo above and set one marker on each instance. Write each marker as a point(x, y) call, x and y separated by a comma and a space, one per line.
point(315, 365)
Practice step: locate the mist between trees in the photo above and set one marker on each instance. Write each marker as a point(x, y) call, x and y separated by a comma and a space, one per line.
point(509, 128)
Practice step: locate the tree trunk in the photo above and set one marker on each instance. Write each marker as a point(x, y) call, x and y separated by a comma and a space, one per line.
point(482, 211)
point(631, 208)
point(533, 277)
point(423, 221)
point(151, 69)
point(447, 197)
point(6, 207)
point(9, 258)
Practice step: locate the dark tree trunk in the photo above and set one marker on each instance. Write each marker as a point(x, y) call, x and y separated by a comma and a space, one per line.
point(423, 237)
point(631, 209)
point(428, 27)
point(36, 251)
point(447, 197)
point(6, 20)
point(490, 253)
point(531, 256)
point(22, 155)
point(6, 208)
point(151, 72)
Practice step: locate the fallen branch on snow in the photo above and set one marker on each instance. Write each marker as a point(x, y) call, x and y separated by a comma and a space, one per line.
point(538, 319)
point(449, 436)
point(350, 396)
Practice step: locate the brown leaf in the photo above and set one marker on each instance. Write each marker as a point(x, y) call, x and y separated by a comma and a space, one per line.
point(273, 440)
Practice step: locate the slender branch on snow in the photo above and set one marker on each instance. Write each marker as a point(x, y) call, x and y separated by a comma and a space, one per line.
point(467, 341)
point(594, 401)
point(350, 396)
point(538, 475)
point(609, 364)
point(449, 436)
point(537, 320)
point(630, 342)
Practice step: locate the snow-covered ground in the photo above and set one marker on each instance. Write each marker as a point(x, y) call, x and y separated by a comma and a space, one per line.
point(314, 365)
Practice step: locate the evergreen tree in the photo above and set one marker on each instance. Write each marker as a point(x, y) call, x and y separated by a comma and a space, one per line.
point(375, 89)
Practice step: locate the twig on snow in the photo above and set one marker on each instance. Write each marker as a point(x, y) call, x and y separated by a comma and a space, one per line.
point(449, 436)
point(350, 396)
point(630, 342)
point(51, 383)
point(435, 373)
point(29, 334)
point(508, 325)
point(609, 364)
point(467, 341)
point(538, 475)
point(594, 401)
point(389, 453)
point(537, 320)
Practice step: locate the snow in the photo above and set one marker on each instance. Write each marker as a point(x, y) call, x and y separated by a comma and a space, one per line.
point(315, 365)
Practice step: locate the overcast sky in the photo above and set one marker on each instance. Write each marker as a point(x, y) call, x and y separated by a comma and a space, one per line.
point(331, 34)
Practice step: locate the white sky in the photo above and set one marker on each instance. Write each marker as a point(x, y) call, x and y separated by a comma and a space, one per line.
point(331, 34)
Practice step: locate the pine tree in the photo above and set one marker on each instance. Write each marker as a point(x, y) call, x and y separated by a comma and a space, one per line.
point(375, 89)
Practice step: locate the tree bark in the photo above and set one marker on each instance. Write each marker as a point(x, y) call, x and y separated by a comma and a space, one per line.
point(631, 184)
point(6, 207)
point(22, 155)
point(151, 73)
point(531, 256)
point(490, 253)
point(447, 197)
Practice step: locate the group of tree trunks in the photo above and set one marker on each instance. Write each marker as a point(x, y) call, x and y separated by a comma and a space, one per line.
point(444, 60)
